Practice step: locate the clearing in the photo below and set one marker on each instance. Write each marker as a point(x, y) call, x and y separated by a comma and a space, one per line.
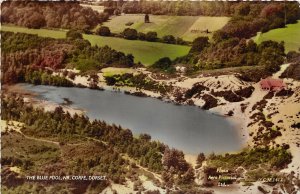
point(110, 71)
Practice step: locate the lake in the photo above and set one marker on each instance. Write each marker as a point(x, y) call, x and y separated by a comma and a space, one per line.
point(187, 128)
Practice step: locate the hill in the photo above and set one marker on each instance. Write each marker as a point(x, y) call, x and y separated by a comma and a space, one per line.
point(145, 52)
point(186, 27)
point(290, 35)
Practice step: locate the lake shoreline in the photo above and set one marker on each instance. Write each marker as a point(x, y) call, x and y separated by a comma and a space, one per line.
point(240, 119)
point(50, 106)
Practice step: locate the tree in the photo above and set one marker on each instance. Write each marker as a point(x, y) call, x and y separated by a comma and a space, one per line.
point(130, 34)
point(251, 46)
point(174, 158)
point(200, 158)
point(142, 36)
point(110, 81)
point(117, 12)
point(243, 9)
point(71, 75)
point(199, 44)
point(187, 177)
point(103, 31)
point(219, 36)
point(69, 15)
point(180, 41)
point(145, 137)
point(74, 34)
point(147, 19)
point(170, 39)
point(163, 63)
point(151, 36)
point(271, 59)
point(36, 20)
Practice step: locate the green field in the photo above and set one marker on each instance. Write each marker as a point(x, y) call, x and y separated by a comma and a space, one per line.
point(145, 52)
point(178, 26)
point(290, 35)
point(98, 8)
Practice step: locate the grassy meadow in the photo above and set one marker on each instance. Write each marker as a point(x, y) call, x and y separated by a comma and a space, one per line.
point(98, 8)
point(178, 26)
point(290, 35)
point(145, 52)
point(39, 32)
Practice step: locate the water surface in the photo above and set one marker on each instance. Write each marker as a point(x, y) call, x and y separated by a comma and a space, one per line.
point(187, 128)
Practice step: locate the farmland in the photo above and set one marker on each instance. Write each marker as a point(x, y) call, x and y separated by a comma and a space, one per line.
point(97, 8)
point(178, 26)
point(290, 35)
point(145, 52)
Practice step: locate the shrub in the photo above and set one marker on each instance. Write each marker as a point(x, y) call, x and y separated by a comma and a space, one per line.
point(199, 44)
point(164, 63)
point(169, 39)
point(151, 36)
point(74, 34)
point(130, 34)
point(103, 31)
point(142, 36)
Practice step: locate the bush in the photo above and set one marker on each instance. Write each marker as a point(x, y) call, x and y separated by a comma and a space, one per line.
point(103, 31)
point(50, 14)
point(151, 36)
point(199, 44)
point(110, 81)
point(169, 39)
point(142, 36)
point(130, 34)
point(36, 20)
point(74, 34)
point(164, 63)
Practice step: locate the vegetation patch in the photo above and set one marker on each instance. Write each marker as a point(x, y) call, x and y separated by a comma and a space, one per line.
point(144, 52)
point(228, 96)
point(51, 15)
point(293, 71)
point(250, 159)
point(190, 26)
point(196, 89)
point(140, 81)
point(210, 102)
point(289, 35)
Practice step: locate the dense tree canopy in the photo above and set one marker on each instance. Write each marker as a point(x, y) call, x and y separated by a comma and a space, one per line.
point(73, 35)
point(60, 14)
point(199, 44)
point(24, 52)
point(130, 34)
point(164, 63)
point(251, 18)
point(234, 52)
point(103, 31)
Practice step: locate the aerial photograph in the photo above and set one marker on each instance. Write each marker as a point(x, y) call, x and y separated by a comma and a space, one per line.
point(150, 97)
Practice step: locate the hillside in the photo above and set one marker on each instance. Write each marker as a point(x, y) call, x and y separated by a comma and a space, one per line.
point(290, 35)
point(186, 27)
point(145, 52)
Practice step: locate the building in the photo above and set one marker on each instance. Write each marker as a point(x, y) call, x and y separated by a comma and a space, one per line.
point(272, 84)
